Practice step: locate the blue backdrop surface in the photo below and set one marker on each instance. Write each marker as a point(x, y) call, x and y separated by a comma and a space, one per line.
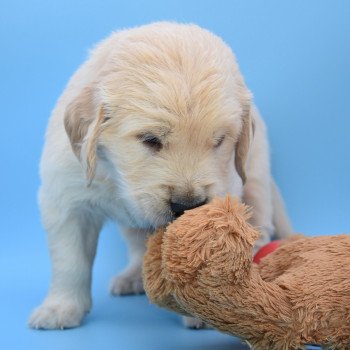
point(295, 56)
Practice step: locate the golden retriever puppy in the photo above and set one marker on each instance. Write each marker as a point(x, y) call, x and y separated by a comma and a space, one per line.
point(157, 120)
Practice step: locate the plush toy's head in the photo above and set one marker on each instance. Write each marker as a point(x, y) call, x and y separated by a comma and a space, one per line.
point(215, 236)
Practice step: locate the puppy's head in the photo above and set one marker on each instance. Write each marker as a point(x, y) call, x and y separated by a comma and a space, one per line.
point(168, 121)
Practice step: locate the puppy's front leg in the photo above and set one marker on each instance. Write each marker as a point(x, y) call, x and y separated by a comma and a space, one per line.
point(257, 194)
point(257, 189)
point(130, 280)
point(72, 244)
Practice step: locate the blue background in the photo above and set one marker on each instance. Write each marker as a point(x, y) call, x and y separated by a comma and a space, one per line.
point(295, 56)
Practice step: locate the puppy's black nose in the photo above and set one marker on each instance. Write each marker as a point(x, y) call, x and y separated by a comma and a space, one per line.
point(179, 208)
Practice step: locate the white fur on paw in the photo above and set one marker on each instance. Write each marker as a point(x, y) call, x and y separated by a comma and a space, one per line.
point(127, 285)
point(56, 316)
point(193, 323)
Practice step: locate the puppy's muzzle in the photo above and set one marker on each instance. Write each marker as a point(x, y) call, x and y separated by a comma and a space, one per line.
point(179, 207)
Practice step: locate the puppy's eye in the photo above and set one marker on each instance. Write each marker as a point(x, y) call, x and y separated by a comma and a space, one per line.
point(151, 141)
point(106, 119)
point(218, 141)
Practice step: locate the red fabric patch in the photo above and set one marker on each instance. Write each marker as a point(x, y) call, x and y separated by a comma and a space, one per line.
point(265, 250)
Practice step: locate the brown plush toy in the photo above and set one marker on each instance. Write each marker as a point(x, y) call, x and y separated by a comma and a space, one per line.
point(201, 265)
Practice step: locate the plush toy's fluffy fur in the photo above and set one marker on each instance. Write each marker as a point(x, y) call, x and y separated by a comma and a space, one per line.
point(201, 265)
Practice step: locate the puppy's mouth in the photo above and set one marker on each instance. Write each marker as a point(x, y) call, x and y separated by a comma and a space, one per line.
point(179, 209)
point(176, 210)
point(173, 210)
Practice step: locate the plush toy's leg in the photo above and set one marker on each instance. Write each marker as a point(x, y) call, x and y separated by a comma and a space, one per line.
point(158, 289)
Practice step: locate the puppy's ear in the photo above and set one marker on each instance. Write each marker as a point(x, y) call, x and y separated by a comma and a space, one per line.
point(82, 121)
point(243, 143)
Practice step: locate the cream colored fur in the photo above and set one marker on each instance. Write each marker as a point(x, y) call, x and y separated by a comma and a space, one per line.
point(179, 84)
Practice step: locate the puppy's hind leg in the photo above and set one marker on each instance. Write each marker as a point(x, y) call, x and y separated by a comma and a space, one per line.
point(129, 281)
point(193, 323)
point(72, 238)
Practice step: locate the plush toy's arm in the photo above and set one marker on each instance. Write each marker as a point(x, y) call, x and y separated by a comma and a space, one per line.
point(157, 287)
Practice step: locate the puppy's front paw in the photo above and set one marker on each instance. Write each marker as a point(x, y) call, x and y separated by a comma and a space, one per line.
point(193, 323)
point(56, 315)
point(127, 284)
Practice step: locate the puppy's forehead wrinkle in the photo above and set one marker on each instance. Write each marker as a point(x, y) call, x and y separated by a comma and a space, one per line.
point(171, 104)
point(173, 100)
